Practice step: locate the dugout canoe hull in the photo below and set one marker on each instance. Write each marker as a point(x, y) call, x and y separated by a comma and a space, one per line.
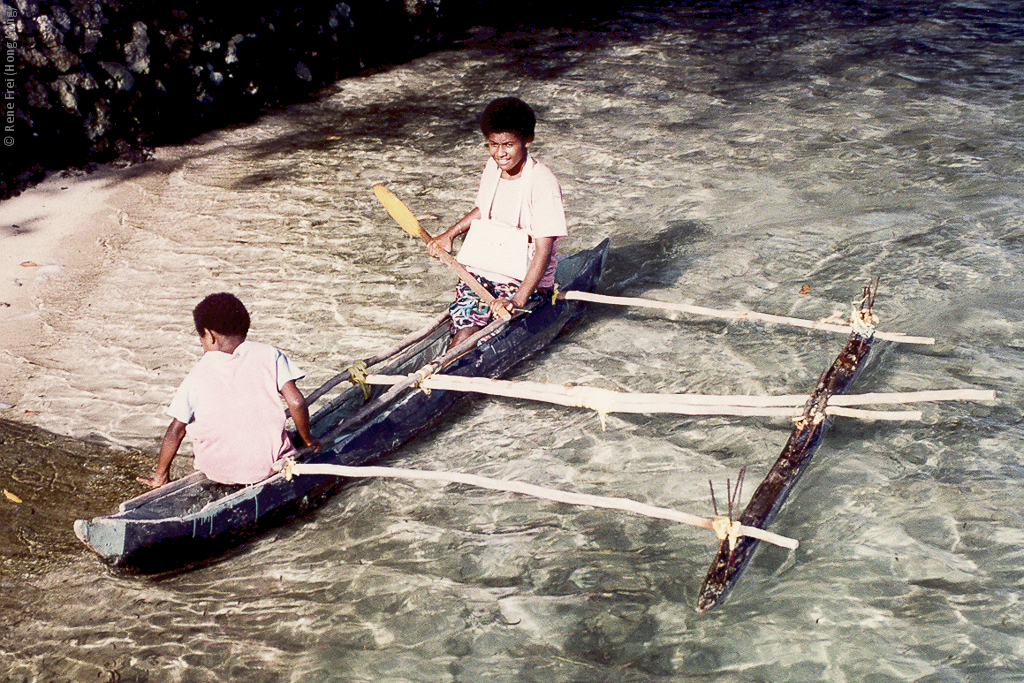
point(193, 520)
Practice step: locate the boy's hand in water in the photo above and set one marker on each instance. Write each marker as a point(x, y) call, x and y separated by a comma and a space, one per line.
point(154, 483)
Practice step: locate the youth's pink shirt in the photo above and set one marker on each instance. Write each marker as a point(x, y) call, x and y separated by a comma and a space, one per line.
point(231, 404)
point(543, 213)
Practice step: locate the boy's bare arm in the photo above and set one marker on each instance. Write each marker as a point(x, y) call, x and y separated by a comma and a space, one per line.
point(299, 412)
point(443, 242)
point(535, 272)
point(168, 449)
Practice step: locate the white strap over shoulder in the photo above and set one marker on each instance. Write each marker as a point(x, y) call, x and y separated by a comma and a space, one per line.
point(526, 181)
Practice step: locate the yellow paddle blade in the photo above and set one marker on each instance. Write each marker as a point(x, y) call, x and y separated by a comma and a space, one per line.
point(400, 212)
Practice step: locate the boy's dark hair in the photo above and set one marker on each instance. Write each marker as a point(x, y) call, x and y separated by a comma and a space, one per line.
point(509, 115)
point(222, 313)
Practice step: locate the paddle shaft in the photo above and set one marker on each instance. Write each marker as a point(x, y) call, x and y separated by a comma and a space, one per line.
point(405, 218)
point(370, 409)
point(468, 278)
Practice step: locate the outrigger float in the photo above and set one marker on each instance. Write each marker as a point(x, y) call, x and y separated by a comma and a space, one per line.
point(193, 519)
point(734, 553)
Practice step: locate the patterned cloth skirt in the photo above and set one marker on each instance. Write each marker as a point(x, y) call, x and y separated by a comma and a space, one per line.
point(469, 311)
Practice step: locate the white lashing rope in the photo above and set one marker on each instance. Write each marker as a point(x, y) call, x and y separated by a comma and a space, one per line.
point(603, 401)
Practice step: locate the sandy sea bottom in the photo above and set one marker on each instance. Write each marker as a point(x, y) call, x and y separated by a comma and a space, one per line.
point(770, 158)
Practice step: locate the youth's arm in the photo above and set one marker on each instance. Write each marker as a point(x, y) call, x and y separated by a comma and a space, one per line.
point(168, 449)
point(534, 273)
point(299, 412)
point(445, 239)
point(548, 213)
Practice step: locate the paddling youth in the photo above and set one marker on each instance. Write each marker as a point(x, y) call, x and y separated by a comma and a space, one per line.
point(513, 228)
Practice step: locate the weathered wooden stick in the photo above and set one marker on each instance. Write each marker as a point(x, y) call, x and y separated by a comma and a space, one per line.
point(607, 401)
point(803, 442)
point(914, 397)
point(740, 315)
point(611, 503)
point(375, 405)
point(405, 343)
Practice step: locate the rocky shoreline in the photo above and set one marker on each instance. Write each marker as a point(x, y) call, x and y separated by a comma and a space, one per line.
point(89, 81)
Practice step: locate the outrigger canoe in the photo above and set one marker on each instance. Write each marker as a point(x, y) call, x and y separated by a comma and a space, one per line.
point(193, 519)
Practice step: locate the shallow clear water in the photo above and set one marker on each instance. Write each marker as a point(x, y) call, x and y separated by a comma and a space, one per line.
point(734, 156)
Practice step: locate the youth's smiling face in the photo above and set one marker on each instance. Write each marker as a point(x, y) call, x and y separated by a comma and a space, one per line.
point(508, 151)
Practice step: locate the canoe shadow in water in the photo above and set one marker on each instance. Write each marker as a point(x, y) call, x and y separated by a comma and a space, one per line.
point(635, 266)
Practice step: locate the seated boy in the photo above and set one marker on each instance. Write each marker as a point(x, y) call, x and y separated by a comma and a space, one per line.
point(230, 404)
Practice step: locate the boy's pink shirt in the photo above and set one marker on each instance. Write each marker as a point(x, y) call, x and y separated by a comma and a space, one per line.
point(238, 431)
